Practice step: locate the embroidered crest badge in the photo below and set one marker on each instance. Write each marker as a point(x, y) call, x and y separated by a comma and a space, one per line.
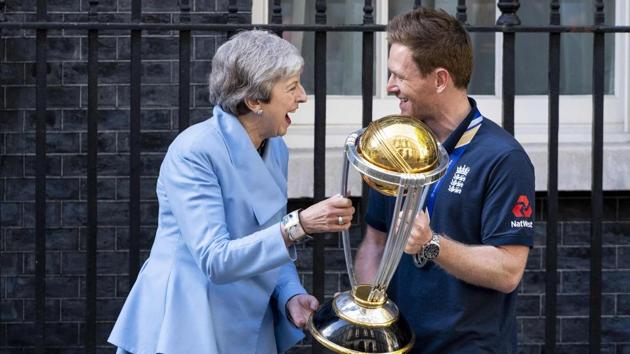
point(457, 182)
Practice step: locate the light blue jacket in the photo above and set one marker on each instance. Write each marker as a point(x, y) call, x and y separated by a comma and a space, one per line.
point(219, 274)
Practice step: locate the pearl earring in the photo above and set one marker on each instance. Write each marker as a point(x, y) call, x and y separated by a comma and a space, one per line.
point(259, 112)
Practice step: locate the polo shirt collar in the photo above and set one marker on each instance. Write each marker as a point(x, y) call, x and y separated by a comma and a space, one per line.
point(453, 138)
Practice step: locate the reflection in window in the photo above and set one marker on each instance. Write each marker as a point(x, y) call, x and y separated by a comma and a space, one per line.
point(343, 49)
point(576, 49)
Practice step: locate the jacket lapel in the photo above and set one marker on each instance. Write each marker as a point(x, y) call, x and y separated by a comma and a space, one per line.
point(263, 179)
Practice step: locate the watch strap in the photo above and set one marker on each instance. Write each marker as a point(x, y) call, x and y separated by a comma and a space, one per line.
point(420, 259)
point(293, 228)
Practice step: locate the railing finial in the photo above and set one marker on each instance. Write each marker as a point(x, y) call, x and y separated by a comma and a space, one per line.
point(232, 11)
point(368, 10)
point(508, 13)
point(461, 11)
point(3, 18)
point(320, 14)
point(554, 16)
point(92, 11)
point(184, 10)
point(276, 12)
point(599, 12)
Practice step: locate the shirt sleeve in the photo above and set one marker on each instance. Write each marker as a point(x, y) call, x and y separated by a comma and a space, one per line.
point(508, 211)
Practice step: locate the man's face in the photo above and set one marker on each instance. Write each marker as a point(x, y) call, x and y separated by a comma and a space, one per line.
point(415, 92)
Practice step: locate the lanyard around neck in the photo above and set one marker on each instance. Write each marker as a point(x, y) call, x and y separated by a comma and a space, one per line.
point(454, 156)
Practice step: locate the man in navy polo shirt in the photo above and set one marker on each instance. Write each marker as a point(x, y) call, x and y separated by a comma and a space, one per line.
point(467, 251)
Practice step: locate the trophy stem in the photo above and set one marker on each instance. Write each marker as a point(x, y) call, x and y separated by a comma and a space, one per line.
point(377, 291)
point(409, 213)
point(398, 233)
point(345, 234)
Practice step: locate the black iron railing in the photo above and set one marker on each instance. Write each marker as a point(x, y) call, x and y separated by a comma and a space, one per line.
point(508, 24)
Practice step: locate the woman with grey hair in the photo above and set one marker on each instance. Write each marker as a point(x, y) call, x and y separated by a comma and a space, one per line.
point(220, 277)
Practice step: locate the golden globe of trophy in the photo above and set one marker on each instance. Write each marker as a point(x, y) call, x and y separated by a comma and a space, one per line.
point(397, 156)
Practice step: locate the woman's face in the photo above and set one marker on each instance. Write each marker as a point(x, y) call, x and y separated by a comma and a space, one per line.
point(286, 95)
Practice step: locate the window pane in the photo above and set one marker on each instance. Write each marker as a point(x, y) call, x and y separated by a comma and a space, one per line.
point(343, 49)
point(576, 49)
point(479, 13)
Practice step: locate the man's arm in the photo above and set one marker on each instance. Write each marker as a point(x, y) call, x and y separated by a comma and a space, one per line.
point(496, 267)
point(369, 255)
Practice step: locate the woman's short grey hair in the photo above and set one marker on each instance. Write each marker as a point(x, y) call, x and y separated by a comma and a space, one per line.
point(247, 66)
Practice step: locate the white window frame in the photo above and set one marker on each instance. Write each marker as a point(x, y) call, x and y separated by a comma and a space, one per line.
point(344, 114)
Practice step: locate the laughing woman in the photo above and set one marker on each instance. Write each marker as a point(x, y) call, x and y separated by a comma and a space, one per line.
point(220, 277)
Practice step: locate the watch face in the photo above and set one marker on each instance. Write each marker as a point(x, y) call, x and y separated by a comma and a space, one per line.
point(431, 251)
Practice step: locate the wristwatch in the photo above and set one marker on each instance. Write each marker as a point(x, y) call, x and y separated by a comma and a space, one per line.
point(291, 225)
point(429, 251)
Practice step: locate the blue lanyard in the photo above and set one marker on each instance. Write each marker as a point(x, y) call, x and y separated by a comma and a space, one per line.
point(454, 156)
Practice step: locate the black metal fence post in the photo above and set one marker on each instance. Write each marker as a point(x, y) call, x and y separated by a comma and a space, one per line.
point(92, 156)
point(367, 92)
point(319, 161)
point(508, 19)
point(184, 66)
point(134, 142)
point(597, 199)
point(552, 182)
point(41, 98)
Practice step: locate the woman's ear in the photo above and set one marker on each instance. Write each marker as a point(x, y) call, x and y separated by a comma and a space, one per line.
point(442, 77)
point(253, 105)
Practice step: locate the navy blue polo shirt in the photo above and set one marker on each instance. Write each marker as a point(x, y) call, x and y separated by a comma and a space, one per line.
point(486, 198)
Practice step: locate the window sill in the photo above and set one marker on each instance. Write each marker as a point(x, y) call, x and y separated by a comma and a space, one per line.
point(574, 160)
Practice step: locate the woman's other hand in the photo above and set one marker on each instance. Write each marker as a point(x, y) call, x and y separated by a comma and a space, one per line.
point(300, 308)
point(330, 215)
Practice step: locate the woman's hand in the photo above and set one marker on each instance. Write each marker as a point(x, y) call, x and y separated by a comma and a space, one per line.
point(300, 308)
point(330, 215)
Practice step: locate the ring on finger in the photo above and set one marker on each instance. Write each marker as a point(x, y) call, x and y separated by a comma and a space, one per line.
point(340, 220)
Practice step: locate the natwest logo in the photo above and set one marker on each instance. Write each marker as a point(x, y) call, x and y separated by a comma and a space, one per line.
point(522, 209)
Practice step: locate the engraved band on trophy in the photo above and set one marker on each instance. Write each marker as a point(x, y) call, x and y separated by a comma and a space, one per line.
point(397, 156)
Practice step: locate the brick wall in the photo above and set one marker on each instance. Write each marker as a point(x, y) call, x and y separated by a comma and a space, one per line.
point(67, 157)
point(573, 277)
point(66, 187)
